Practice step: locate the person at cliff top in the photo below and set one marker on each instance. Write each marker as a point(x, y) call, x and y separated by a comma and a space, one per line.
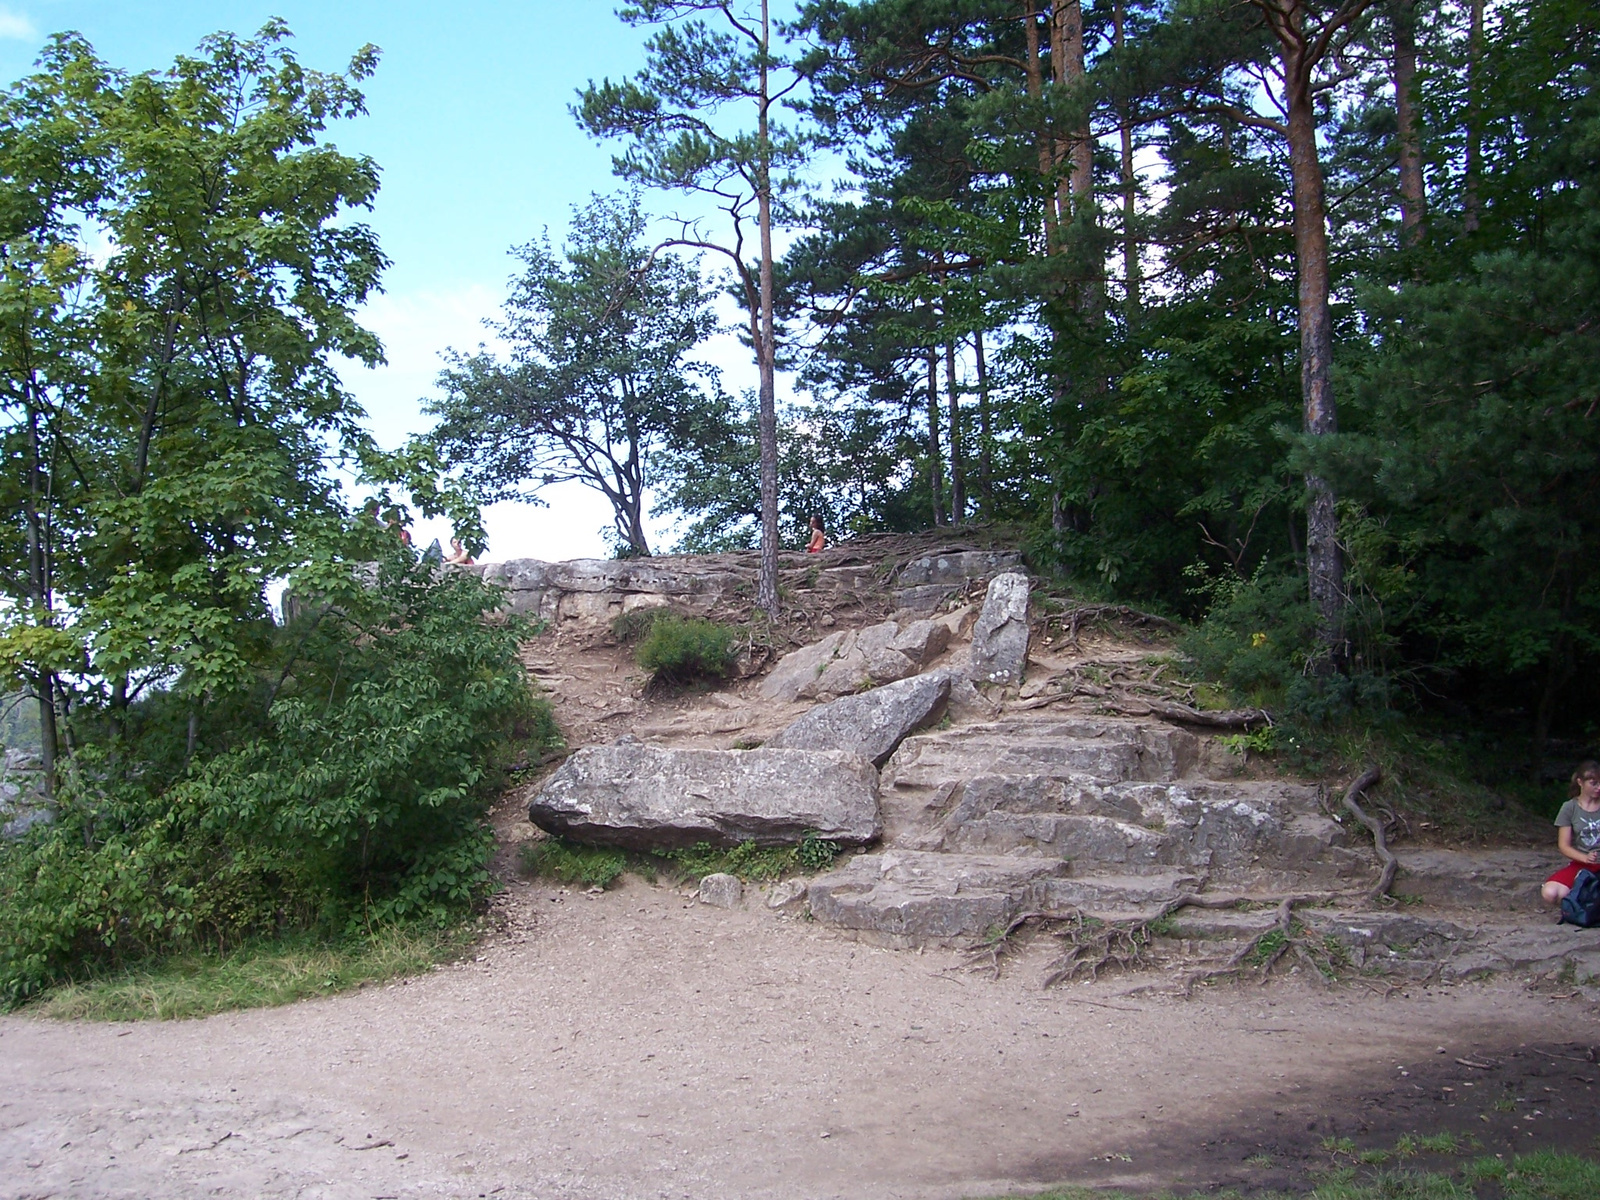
point(815, 544)
point(1577, 831)
point(458, 554)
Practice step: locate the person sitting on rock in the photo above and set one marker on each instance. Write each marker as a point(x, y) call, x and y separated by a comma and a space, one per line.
point(815, 544)
point(458, 554)
point(1577, 832)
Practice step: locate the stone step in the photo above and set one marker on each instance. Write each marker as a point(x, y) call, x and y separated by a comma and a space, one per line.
point(1143, 827)
point(908, 898)
point(1504, 879)
point(1106, 749)
point(1118, 897)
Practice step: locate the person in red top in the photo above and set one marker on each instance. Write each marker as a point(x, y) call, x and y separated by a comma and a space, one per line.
point(815, 544)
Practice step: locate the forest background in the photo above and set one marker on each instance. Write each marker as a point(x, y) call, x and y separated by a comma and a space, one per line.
point(1278, 316)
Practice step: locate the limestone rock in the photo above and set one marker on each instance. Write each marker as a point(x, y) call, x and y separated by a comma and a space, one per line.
point(843, 662)
point(909, 898)
point(592, 591)
point(922, 641)
point(643, 797)
point(871, 724)
point(721, 890)
point(1000, 638)
point(801, 667)
point(925, 583)
point(788, 892)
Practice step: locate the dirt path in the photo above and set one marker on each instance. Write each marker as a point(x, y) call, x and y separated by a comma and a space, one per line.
point(637, 1044)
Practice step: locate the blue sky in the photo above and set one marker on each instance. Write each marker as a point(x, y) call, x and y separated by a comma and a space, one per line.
point(469, 123)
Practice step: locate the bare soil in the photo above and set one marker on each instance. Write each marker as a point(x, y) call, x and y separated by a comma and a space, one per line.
point(635, 1043)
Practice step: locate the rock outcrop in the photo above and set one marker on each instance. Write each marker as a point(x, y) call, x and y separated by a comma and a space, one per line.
point(852, 659)
point(871, 724)
point(927, 583)
point(1000, 638)
point(643, 797)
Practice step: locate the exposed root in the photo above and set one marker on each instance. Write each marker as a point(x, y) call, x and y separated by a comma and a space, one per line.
point(1073, 619)
point(987, 954)
point(1380, 890)
point(1092, 946)
point(1149, 706)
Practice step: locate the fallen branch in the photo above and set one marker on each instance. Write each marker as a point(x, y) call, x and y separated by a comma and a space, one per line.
point(1148, 706)
point(1366, 779)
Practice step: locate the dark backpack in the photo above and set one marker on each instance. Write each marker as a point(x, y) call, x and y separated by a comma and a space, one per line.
point(1581, 906)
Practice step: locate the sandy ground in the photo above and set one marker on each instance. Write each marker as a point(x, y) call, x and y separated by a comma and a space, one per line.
point(638, 1044)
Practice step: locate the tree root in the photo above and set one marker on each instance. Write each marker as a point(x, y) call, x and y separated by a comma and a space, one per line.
point(1380, 890)
point(1093, 947)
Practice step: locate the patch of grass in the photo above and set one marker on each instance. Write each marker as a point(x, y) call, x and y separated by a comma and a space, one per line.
point(1406, 1146)
point(1264, 949)
point(1544, 1175)
point(257, 975)
point(1260, 1160)
point(1338, 1145)
point(682, 649)
point(569, 863)
point(1373, 1158)
point(601, 866)
point(1440, 1143)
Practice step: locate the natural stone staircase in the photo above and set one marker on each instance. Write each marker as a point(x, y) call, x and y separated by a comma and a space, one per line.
point(1054, 814)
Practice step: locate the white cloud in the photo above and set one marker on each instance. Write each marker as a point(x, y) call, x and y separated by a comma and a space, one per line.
point(16, 26)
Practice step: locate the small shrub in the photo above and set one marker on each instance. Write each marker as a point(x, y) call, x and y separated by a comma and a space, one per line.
point(680, 649)
point(816, 853)
point(630, 627)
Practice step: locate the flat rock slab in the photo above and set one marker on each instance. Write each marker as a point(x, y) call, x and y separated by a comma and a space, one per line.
point(1000, 638)
point(905, 898)
point(871, 724)
point(645, 797)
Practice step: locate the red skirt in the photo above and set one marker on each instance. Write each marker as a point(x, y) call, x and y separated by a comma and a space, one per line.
point(1568, 875)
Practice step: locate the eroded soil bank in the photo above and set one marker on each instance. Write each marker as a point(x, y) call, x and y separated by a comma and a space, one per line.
point(636, 1044)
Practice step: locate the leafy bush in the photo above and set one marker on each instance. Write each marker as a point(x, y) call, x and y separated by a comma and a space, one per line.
point(679, 649)
point(349, 793)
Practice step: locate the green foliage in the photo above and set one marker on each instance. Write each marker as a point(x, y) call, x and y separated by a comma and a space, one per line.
point(570, 863)
point(599, 384)
point(600, 866)
point(349, 793)
point(680, 649)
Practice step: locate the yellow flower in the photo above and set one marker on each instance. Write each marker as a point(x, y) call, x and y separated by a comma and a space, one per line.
point(1257, 640)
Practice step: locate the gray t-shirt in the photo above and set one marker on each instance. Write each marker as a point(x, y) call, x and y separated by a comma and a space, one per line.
point(1585, 825)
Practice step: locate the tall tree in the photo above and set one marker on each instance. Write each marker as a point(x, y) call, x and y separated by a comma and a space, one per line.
point(668, 114)
point(599, 377)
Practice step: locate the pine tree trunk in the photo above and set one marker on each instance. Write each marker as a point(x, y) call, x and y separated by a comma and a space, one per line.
point(1324, 563)
point(1130, 245)
point(1035, 78)
point(1066, 48)
point(935, 467)
point(1413, 193)
point(766, 352)
point(985, 432)
point(1473, 165)
point(958, 462)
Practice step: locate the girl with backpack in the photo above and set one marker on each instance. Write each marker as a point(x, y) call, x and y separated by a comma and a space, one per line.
point(1577, 832)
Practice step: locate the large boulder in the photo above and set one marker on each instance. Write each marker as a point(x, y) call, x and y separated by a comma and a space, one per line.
point(644, 797)
point(870, 724)
point(1000, 638)
point(841, 663)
